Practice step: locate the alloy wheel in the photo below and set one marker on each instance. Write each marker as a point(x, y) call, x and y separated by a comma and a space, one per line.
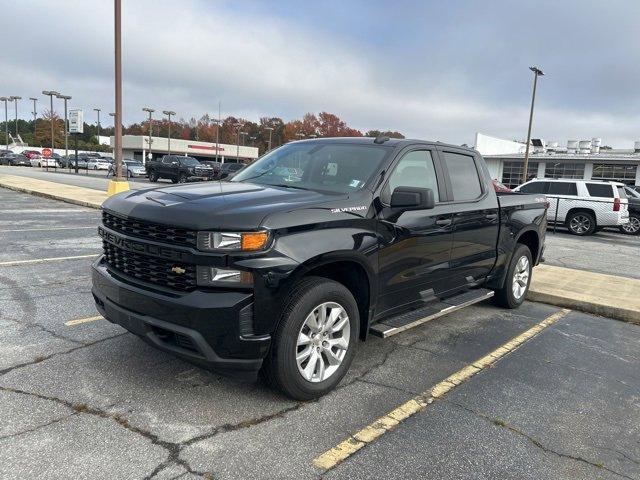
point(633, 226)
point(322, 342)
point(521, 277)
point(580, 224)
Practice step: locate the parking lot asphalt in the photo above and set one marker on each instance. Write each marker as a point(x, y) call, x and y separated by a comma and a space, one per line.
point(82, 398)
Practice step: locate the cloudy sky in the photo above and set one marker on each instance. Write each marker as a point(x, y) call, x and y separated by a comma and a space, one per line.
point(438, 70)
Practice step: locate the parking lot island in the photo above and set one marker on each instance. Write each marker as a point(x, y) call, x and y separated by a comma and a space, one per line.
point(86, 197)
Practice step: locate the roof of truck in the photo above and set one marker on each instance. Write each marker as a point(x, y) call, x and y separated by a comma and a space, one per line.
point(391, 142)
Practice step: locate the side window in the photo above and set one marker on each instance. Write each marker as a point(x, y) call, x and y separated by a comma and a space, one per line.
point(535, 187)
point(415, 169)
point(600, 190)
point(562, 188)
point(464, 176)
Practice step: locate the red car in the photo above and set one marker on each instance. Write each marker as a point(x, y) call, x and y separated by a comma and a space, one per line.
point(30, 154)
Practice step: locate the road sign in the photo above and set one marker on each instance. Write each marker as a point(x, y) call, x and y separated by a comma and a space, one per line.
point(76, 121)
point(46, 152)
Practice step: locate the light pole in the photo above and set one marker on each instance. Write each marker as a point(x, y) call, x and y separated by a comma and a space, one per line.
point(244, 136)
point(252, 140)
point(270, 132)
point(149, 111)
point(238, 127)
point(536, 73)
point(15, 99)
point(66, 127)
point(35, 117)
point(51, 94)
point(98, 110)
point(168, 113)
point(218, 120)
point(6, 121)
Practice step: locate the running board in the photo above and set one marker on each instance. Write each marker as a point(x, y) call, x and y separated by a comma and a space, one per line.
point(400, 323)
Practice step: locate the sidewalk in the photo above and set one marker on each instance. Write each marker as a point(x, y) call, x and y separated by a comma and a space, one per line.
point(606, 295)
point(87, 197)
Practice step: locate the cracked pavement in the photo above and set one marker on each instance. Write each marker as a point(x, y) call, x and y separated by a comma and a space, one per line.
point(93, 401)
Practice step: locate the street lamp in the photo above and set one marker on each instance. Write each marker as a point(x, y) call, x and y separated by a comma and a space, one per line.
point(15, 99)
point(149, 111)
point(238, 127)
point(66, 126)
point(270, 129)
point(98, 110)
point(168, 113)
point(51, 94)
point(35, 117)
point(536, 73)
point(6, 121)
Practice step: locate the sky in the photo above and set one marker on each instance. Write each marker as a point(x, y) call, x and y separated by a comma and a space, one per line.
point(435, 70)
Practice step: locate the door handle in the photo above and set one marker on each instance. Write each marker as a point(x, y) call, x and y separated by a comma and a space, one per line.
point(443, 222)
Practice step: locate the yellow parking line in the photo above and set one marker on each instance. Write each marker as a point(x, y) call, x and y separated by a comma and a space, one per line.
point(373, 431)
point(13, 263)
point(79, 321)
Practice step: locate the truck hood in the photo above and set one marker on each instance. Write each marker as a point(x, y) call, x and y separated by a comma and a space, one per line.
point(215, 205)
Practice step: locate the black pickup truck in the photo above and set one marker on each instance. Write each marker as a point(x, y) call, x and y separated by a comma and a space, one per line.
point(178, 169)
point(309, 249)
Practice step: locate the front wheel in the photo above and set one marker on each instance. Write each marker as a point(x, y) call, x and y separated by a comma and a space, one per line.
point(315, 341)
point(633, 227)
point(516, 285)
point(182, 178)
point(153, 177)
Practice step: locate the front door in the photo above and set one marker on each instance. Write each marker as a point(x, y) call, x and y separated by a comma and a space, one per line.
point(415, 247)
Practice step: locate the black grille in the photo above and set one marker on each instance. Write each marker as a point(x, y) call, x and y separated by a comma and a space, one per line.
point(150, 269)
point(176, 339)
point(153, 231)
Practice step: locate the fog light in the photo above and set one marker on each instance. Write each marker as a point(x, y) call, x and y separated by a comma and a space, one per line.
point(212, 276)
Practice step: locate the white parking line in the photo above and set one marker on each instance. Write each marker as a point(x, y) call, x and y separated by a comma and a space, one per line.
point(47, 229)
point(43, 210)
point(13, 263)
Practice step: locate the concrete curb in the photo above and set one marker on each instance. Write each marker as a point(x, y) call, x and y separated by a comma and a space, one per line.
point(51, 196)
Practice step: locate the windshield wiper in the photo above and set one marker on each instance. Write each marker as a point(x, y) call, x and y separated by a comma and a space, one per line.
point(287, 186)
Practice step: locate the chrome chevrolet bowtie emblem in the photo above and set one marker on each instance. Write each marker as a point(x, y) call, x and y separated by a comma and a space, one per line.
point(178, 270)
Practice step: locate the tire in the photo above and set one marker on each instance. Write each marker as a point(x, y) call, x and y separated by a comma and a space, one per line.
point(281, 368)
point(153, 176)
point(128, 174)
point(182, 178)
point(581, 223)
point(633, 227)
point(519, 271)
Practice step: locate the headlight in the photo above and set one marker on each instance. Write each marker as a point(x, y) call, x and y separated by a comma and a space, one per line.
point(233, 241)
point(212, 276)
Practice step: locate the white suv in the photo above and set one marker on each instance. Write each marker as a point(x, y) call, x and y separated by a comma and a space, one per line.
point(582, 205)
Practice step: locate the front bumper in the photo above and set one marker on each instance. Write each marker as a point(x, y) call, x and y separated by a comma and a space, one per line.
point(211, 329)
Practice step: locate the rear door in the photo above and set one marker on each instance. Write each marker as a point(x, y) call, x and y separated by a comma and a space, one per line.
point(476, 216)
point(415, 246)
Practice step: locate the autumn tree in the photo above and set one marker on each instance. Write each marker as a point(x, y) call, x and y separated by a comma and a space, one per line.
point(43, 129)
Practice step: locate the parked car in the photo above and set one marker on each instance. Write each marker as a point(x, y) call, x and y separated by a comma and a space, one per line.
point(286, 273)
point(131, 168)
point(178, 169)
point(229, 169)
point(583, 206)
point(5, 152)
point(15, 159)
point(70, 161)
point(214, 165)
point(98, 163)
point(31, 154)
point(43, 162)
point(633, 227)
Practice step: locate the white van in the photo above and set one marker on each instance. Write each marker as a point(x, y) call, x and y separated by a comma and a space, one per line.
point(582, 205)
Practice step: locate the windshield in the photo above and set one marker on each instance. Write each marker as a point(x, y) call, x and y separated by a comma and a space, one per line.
point(631, 193)
point(333, 167)
point(190, 162)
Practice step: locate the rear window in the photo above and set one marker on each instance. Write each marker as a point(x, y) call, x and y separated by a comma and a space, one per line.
point(535, 187)
point(464, 176)
point(622, 192)
point(562, 188)
point(600, 190)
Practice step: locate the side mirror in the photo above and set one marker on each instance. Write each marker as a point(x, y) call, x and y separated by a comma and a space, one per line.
point(412, 198)
point(174, 163)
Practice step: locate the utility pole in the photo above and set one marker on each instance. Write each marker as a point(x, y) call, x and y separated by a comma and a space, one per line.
point(15, 99)
point(35, 117)
point(244, 137)
point(98, 110)
point(168, 113)
point(218, 120)
point(238, 126)
point(51, 94)
point(150, 112)
point(66, 123)
point(6, 121)
point(270, 132)
point(536, 73)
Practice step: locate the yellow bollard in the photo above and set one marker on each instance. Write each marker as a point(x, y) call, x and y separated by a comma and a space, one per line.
point(117, 186)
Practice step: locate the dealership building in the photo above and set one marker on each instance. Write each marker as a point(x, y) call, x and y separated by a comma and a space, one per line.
point(578, 159)
point(137, 147)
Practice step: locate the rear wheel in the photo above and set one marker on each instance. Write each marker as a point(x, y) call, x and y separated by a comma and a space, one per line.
point(516, 285)
point(153, 176)
point(633, 227)
point(581, 223)
point(182, 178)
point(315, 341)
